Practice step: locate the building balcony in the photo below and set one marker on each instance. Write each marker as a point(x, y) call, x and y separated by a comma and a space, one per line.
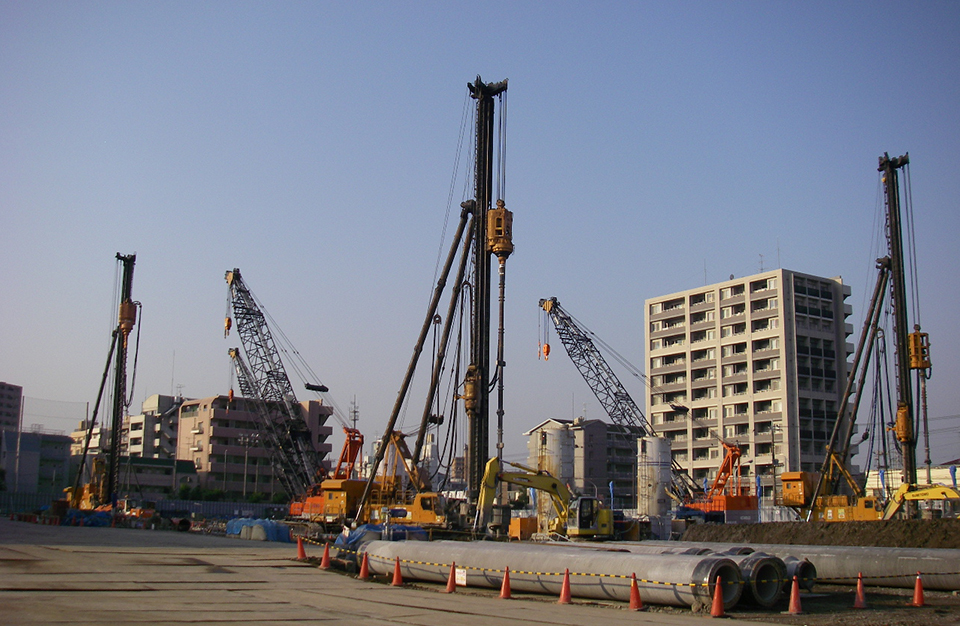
point(667, 313)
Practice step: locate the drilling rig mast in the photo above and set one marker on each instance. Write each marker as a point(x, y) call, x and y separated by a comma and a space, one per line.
point(482, 233)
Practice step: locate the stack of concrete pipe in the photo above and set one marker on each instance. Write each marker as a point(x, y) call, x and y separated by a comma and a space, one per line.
point(671, 579)
point(765, 576)
point(886, 567)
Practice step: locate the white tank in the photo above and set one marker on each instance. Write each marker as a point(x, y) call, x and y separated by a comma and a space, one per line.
point(653, 476)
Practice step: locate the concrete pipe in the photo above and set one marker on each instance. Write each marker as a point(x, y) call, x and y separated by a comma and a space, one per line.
point(803, 569)
point(684, 580)
point(764, 576)
point(884, 567)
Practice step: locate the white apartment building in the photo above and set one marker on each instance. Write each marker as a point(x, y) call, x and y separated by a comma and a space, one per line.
point(153, 433)
point(760, 361)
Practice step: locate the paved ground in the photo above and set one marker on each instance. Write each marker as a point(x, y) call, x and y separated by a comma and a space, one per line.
point(64, 575)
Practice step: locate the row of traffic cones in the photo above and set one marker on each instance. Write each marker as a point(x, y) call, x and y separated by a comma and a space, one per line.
point(860, 600)
point(636, 604)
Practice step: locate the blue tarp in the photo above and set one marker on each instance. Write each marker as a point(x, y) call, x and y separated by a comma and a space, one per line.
point(89, 518)
point(274, 530)
point(375, 532)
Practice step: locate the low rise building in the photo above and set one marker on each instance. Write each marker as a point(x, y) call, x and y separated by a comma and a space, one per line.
point(37, 461)
point(220, 437)
point(154, 479)
point(591, 457)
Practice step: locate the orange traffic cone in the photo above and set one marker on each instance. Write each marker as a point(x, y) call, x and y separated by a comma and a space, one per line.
point(301, 553)
point(917, 592)
point(716, 609)
point(397, 577)
point(860, 601)
point(325, 560)
point(452, 578)
point(794, 608)
point(635, 603)
point(364, 568)
point(505, 585)
point(565, 588)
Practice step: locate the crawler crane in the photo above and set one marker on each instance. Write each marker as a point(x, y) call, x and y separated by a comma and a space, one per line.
point(296, 462)
point(608, 389)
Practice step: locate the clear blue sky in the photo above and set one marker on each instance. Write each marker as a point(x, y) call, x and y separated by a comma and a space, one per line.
point(651, 146)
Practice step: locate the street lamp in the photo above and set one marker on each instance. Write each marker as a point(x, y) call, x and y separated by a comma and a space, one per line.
point(246, 441)
point(596, 493)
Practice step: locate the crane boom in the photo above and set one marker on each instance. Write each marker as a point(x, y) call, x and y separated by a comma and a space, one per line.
point(264, 380)
point(606, 386)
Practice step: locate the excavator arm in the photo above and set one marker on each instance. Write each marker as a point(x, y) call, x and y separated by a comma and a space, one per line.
point(917, 493)
point(541, 481)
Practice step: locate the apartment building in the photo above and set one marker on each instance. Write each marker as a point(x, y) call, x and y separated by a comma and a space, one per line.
point(588, 456)
point(11, 398)
point(153, 433)
point(35, 461)
point(760, 361)
point(99, 439)
point(220, 436)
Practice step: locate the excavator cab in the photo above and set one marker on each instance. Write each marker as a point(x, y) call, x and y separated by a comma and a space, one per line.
point(588, 518)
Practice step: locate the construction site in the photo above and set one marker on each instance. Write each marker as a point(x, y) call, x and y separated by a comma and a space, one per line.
point(724, 496)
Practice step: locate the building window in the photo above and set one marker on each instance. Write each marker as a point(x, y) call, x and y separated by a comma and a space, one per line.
point(733, 349)
point(701, 298)
point(704, 373)
point(704, 393)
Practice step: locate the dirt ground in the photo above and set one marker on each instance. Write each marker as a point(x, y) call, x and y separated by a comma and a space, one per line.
point(940, 533)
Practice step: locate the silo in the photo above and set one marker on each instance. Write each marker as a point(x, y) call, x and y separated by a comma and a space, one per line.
point(653, 477)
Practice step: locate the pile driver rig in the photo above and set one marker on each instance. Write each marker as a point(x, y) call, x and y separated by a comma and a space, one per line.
point(833, 494)
point(101, 490)
point(484, 231)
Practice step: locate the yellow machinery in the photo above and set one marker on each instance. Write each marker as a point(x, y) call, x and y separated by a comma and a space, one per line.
point(337, 501)
point(924, 493)
point(581, 517)
point(798, 490)
point(816, 496)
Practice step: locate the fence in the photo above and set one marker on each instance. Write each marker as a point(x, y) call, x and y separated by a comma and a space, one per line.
point(11, 502)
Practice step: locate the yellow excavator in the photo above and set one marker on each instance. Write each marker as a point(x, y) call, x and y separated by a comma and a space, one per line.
point(582, 517)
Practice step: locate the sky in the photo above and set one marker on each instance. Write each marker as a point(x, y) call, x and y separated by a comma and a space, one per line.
point(652, 147)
